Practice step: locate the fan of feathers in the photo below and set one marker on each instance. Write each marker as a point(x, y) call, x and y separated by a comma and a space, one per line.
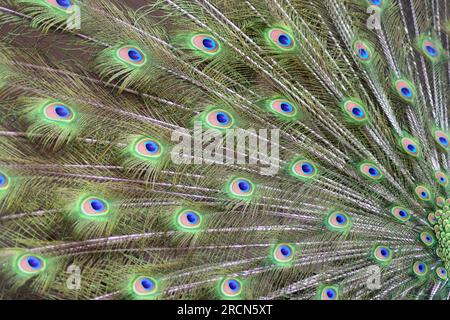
point(224, 149)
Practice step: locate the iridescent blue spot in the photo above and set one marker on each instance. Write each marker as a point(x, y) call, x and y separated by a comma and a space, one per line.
point(341, 219)
point(147, 284)
point(244, 186)
point(442, 179)
point(151, 147)
point(64, 3)
point(424, 194)
point(285, 251)
point(284, 40)
point(406, 92)
point(428, 238)
point(421, 267)
point(402, 213)
point(411, 147)
point(376, 2)
point(307, 168)
point(191, 217)
point(330, 293)
point(135, 55)
point(384, 252)
point(443, 140)
point(357, 112)
point(373, 172)
point(222, 118)
point(363, 53)
point(209, 43)
point(34, 262)
point(2, 179)
point(62, 111)
point(431, 50)
point(97, 205)
point(233, 285)
point(286, 107)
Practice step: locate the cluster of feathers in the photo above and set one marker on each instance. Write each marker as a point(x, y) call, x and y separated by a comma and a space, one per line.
point(93, 207)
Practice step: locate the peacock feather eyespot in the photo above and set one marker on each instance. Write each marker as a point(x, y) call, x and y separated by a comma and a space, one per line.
point(132, 56)
point(58, 112)
point(363, 51)
point(423, 193)
point(328, 293)
point(420, 269)
point(338, 221)
point(61, 4)
point(144, 287)
point(432, 218)
point(283, 253)
point(147, 148)
point(219, 119)
point(410, 146)
point(284, 109)
point(303, 169)
point(189, 220)
point(427, 238)
point(241, 188)
point(94, 207)
point(371, 171)
point(441, 273)
point(441, 139)
point(382, 255)
point(400, 213)
point(30, 264)
point(4, 181)
point(280, 39)
point(440, 201)
point(405, 89)
point(354, 111)
point(230, 288)
point(205, 43)
point(431, 48)
point(441, 178)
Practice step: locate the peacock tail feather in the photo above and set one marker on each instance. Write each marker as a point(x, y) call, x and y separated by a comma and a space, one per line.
point(224, 149)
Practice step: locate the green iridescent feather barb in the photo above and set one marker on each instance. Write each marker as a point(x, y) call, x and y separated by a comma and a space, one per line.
point(224, 149)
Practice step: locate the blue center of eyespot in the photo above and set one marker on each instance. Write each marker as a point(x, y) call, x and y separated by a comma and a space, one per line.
point(191, 217)
point(286, 107)
point(244, 186)
point(307, 168)
point(357, 112)
point(373, 172)
point(376, 2)
point(284, 40)
point(97, 205)
point(2, 179)
point(147, 284)
point(442, 179)
point(151, 147)
point(64, 3)
point(428, 238)
point(209, 43)
point(424, 194)
point(285, 251)
point(341, 219)
point(384, 252)
point(402, 213)
point(442, 271)
point(134, 55)
point(421, 267)
point(222, 118)
point(411, 147)
point(34, 262)
point(233, 285)
point(406, 92)
point(62, 111)
point(443, 140)
point(431, 50)
point(363, 53)
point(330, 293)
